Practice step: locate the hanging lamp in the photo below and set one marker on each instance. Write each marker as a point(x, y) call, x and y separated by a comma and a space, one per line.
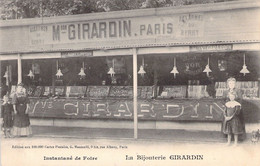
point(59, 73)
point(244, 69)
point(207, 69)
point(31, 75)
point(82, 73)
point(141, 70)
point(111, 69)
point(6, 74)
point(174, 70)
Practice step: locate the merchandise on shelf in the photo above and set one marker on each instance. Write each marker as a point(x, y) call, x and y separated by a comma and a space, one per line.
point(46, 91)
point(75, 91)
point(121, 91)
point(59, 91)
point(197, 91)
point(145, 92)
point(173, 92)
point(249, 88)
point(97, 91)
point(38, 91)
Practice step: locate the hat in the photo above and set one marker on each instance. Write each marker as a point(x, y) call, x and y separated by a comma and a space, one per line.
point(20, 84)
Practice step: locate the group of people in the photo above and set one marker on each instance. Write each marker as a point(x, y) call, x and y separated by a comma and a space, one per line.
point(16, 120)
point(14, 112)
point(233, 122)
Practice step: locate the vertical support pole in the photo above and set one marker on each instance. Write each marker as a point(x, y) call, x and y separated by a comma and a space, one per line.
point(135, 93)
point(19, 68)
point(53, 75)
point(155, 76)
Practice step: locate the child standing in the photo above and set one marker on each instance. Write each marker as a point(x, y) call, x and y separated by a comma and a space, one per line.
point(232, 124)
point(6, 114)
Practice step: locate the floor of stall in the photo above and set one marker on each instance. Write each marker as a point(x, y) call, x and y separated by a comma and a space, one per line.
point(145, 134)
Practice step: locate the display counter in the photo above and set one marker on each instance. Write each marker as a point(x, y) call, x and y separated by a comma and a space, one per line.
point(115, 102)
point(172, 103)
point(153, 109)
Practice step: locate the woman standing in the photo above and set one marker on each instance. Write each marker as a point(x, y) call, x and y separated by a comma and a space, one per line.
point(21, 126)
point(234, 124)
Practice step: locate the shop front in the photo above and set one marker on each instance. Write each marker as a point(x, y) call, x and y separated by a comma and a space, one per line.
point(156, 65)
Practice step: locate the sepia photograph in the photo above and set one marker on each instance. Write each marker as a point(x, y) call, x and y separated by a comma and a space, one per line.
point(130, 82)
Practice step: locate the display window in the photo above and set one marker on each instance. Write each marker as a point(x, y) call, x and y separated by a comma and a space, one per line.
point(184, 75)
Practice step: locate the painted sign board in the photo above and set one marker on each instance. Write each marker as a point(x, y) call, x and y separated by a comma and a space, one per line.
point(183, 26)
point(175, 110)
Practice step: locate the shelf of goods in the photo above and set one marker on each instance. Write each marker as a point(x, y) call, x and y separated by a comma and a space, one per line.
point(249, 89)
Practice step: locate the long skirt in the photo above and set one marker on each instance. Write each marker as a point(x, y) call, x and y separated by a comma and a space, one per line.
point(21, 125)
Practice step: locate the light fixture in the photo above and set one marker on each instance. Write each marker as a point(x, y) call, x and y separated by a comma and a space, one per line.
point(244, 69)
point(31, 75)
point(6, 74)
point(207, 69)
point(59, 73)
point(141, 70)
point(174, 70)
point(111, 69)
point(82, 73)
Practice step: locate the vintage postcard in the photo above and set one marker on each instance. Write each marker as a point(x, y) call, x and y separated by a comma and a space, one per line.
point(120, 82)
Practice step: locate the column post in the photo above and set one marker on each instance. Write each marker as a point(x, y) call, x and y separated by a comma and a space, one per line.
point(135, 77)
point(19, 68)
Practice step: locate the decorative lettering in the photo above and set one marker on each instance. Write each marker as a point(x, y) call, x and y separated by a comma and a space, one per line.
point(146, 109)
point(175, 108)
point(56, 33)
point(123, 109)
point(73, 106)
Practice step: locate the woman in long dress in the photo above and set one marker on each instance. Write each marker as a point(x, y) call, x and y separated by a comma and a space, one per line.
point(21, 124)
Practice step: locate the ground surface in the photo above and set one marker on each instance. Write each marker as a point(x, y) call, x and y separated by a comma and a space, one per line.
point(117, 147)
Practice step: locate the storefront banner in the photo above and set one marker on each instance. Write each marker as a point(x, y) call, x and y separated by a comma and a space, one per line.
point(220, 47)
point(183, 26)
point(76, 54)
point(175, 110)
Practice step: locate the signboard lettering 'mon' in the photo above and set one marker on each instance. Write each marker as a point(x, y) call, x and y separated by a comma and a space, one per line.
point(170, 27)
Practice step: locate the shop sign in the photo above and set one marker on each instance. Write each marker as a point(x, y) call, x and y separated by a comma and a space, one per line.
point(123, 109)
point(76, 54)
point(186, 110)
point(193, 64)
point(248, 46)
point(211, 48)
point(183, 26)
